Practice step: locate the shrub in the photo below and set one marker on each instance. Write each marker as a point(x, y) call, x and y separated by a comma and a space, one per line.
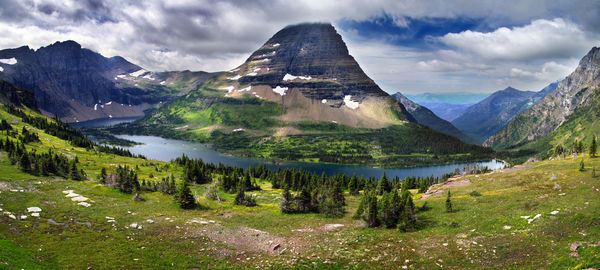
point(475, 193)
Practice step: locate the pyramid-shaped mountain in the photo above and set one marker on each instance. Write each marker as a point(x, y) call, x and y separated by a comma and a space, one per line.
point(301, 96)
point(308, 69)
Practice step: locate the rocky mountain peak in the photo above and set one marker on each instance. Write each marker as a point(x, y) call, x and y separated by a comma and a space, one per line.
point(552, 111)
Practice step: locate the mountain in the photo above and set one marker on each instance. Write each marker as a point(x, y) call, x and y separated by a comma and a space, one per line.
point(78, 84)
point(576, 93)
point(426, 117)
point(448, 98)
point(490, 115)
point(301, 96)
point(446, 111)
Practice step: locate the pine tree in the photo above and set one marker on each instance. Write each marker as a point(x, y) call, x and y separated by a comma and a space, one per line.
point(370, 215)
point(286, 202)
point(593, 147)
point(103, 175)
point(24, 162)
point(581, 166)
point(184, 196)
point(353, 186)
point(74, 174)
point(361, 207)
point(593, 172)
point(448, 203)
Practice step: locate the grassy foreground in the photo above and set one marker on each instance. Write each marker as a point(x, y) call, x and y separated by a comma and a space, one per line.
point(485, 231)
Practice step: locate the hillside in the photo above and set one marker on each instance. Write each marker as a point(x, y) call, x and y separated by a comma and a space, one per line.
point(550, 113)
point(533, 215)
point(78, 84)
point(489, 116)
point(426, 117)
point(301, 96)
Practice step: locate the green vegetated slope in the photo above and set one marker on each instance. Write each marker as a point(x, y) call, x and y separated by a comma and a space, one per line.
point(301, 96)
point(581, 126)
point(486, 228)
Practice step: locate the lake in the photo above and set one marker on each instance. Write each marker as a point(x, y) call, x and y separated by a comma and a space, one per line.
point(163, 149)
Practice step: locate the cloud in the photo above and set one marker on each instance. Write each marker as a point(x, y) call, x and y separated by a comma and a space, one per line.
point(539, 40)
point(550, 71)
point(215, 35)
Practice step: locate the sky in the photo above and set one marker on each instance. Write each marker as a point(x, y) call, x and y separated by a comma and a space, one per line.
point(411, 46)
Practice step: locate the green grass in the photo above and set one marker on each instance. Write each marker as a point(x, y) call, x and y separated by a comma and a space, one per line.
point(471, 237)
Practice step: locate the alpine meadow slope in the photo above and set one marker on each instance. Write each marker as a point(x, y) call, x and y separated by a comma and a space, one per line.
point(302, 96)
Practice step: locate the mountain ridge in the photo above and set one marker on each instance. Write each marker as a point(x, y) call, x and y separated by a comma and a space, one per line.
point(551, 112)
point(78, 84)
point(490, 115)
point(428, 118)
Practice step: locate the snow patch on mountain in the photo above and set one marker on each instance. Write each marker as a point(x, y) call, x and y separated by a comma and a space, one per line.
point(280, 90)
point(349, 103)
point(9, 61)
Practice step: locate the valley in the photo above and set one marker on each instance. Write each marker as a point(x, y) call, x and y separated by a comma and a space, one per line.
point(299, 135)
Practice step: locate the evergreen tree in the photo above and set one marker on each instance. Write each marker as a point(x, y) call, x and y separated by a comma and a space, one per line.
point(370, 215)
point(448, 203)
point(593, 172)
point(286, 205)
point(581, 166)
point(184, 197)
point(74, 173)
point(353, 186)
point(24, 162)
point(593, 147)
point(408, 216)
point(103, 176)
point(361, 207)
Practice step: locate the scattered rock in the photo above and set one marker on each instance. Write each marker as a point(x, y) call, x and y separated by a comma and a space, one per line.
point(529, 221)
point(276, 247)
point(506, 227)
point(35, 214)
point(133, 226)
point(84, 204)
point(52, 222)
point(23, 217)
point(150, 221)
point(12, 216)
point(79, 199)
point(575, 246)
point(555, 212)
point(33, 209)
point(557, 187)
point(574, 254)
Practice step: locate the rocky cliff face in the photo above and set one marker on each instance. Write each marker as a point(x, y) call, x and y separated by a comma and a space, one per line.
point(489, 116)
point(78, 84)
point(553, 110)
point(426, 117)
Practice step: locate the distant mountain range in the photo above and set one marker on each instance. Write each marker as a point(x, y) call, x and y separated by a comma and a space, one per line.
point(448, 98)
point(426, 117)
point(490, 115)
point(78, 84)
point(446, 111)
point(570, 112)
